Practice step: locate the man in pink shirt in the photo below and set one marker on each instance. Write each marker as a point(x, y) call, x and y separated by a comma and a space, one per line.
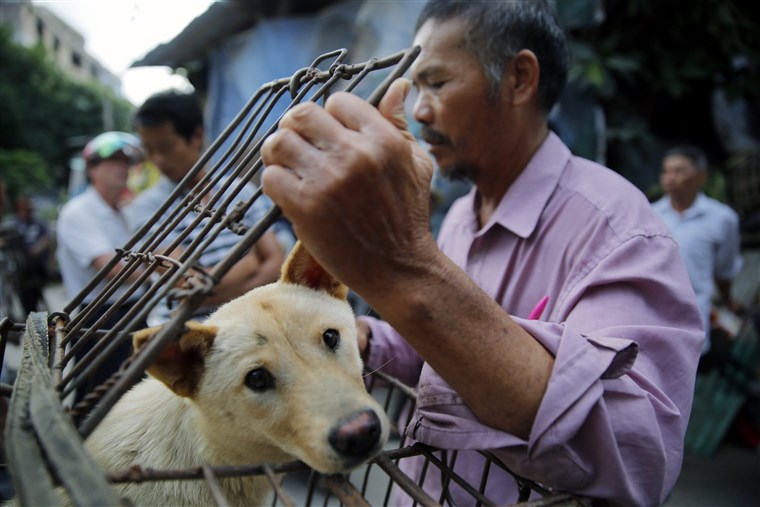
point(594, 396)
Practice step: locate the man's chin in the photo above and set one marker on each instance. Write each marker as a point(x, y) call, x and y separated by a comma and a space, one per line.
point(452, 170)
point(458, 172)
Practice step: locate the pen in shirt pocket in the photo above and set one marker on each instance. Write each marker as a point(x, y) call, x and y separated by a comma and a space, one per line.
point(536, 312)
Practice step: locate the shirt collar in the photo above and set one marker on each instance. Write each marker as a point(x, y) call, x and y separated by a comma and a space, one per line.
point(698, 207)
point(525, 200)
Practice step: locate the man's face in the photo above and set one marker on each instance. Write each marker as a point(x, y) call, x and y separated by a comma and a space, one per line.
point(460, 121)
point(111, 173)
point(173, 154)
point(679, 178)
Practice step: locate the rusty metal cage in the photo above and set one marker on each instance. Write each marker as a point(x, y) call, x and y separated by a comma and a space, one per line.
point(44, 437)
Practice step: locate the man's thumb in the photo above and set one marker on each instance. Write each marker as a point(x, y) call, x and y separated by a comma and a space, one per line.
point(392, 105)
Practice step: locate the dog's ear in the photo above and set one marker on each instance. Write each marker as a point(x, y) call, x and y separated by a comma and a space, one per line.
point(180, 364)
point(302, 269)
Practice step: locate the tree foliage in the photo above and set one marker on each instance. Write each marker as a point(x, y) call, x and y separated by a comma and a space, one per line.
point(45, 116)
point(653, 65)
point(23, 170)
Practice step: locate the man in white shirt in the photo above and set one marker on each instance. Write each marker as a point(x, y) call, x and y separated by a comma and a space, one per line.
point(91, 227)
point(706, 230)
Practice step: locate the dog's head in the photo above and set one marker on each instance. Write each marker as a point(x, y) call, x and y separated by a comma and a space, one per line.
point(276, 374)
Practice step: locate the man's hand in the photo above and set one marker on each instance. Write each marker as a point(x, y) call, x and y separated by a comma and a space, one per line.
point(355, 184)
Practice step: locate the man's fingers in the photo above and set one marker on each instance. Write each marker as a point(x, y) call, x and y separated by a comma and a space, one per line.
point(287, 148)
point(392, 105)
point(313, 124)
point(359, 115)
point(313, 143)
point(282, 185)
point(353, 112)
point(282, 153)
point(323, 126)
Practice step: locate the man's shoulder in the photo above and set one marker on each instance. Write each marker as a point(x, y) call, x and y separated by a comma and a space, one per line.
point(599, 184)
point(719, 216)
point(162, 188)
point(78, 215)
point(618, 201)
point(590, 171)
point(151, 197)
point(76, 206)
point(146, 203)
point(718, 208)
point(661, 205)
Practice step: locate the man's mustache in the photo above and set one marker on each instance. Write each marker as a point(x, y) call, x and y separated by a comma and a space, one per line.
point(431, 136)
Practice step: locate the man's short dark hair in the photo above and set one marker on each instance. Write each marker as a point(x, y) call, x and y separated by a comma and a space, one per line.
point(694, 154)
point(498, 30)
point(180, 109)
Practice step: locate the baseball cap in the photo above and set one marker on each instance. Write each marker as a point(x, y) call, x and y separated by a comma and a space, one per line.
point(106, 144)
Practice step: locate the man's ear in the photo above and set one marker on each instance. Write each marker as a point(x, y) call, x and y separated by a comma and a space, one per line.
point(180, 364)
point(522, 75)
point(301, 268)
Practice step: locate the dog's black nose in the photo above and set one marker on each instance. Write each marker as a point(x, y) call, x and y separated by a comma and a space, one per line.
point(357, 434)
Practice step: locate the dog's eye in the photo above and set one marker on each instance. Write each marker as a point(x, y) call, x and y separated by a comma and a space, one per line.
point(331, 338)
point(259, 380)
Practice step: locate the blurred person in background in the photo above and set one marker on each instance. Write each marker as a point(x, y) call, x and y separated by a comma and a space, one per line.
point(35, 244)
point(706, 230)
point(90, 228)
point(170, 125)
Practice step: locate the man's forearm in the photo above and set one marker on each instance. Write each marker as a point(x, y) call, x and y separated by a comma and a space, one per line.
point(471, 342)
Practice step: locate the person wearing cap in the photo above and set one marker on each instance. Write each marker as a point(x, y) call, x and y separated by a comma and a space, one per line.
point(90, 228)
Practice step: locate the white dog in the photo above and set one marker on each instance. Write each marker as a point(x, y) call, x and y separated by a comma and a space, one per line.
point(271, 376)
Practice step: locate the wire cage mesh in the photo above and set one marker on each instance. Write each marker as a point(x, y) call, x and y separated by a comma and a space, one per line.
point(63, 349)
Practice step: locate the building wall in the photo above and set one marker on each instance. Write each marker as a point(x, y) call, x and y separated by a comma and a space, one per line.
point(34, 24)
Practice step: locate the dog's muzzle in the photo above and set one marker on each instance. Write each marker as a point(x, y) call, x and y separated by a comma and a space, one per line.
point(357, 436)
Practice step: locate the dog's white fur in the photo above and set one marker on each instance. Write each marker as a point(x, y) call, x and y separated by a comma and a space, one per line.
point(196, 407)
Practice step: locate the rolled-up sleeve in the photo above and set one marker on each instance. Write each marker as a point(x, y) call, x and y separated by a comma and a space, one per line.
point(391, 353)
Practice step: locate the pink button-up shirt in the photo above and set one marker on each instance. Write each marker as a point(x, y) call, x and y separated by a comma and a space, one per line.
point(622, 323)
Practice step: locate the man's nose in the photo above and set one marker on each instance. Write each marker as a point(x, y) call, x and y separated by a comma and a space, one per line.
point(423, 111)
